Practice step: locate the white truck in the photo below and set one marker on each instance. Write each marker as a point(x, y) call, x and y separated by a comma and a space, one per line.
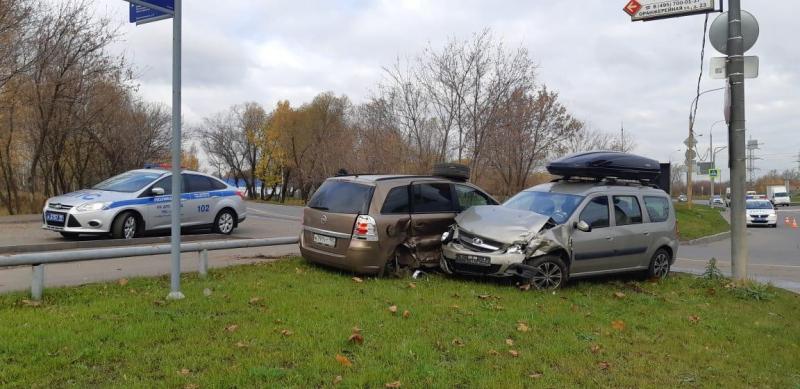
point(778, 195)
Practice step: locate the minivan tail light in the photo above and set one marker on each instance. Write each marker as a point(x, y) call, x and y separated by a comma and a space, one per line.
point(365, 228)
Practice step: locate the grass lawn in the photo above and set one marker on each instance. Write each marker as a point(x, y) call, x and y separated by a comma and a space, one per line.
point(287, 324)
point(699, 221)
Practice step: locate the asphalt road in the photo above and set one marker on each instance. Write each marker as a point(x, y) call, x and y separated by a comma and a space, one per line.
point(774, 253)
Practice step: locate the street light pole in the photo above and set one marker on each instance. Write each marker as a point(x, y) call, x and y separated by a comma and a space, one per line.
point(736, 141)
point(177, 184)
point(711, 151)
point(691, 145)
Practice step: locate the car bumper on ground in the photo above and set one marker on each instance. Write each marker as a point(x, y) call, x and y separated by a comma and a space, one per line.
point(359, 258)
point(499, 264)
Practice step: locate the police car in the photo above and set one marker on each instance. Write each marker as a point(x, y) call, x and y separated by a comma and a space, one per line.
point(127, 205)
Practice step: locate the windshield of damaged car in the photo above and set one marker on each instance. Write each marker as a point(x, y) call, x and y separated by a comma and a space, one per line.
point(128, 182)
point(558, 206)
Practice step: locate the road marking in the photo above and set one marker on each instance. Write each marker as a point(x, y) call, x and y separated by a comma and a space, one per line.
point(751, 264)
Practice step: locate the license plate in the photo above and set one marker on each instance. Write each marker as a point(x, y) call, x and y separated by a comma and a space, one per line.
point(472, 259)
point(324, 240)
point(54, 217)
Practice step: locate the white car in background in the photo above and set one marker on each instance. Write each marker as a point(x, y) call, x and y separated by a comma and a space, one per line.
point(761, 212)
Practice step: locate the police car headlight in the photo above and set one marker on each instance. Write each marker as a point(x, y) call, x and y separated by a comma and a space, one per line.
point(90, 207)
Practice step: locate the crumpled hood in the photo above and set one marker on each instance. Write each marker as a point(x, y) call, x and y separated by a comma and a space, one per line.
point(89, 196)
point(503, 224)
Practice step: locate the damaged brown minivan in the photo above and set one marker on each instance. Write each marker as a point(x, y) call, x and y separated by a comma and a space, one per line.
point(374, 224)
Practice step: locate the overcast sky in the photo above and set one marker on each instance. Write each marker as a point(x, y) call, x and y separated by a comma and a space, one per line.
point(607, 69)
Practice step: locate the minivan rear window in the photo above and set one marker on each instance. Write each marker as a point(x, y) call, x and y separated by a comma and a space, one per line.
point(342, 197)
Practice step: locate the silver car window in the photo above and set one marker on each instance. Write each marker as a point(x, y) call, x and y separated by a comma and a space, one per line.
point(627, 210)
point(128, 182)
point(657, 208)
point(595, 213)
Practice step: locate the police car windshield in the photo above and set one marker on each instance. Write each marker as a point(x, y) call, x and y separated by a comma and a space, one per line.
point(759, 204)
point(128, 182)
point(558, 206)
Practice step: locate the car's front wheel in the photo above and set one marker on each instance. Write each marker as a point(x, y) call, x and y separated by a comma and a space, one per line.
point(125, 226)
point(548, 272)
point(659, 264)
point(224, 222)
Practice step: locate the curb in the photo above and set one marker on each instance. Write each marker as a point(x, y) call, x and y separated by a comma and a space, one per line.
point(708, 239)
point(19, 219)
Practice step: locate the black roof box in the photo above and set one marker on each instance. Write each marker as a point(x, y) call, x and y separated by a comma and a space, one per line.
point(606, 164)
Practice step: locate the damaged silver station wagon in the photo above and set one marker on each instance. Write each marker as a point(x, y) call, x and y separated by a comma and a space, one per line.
point(559, 230)
point(563, 229)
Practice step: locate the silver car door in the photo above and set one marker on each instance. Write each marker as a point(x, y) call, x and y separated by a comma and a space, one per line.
point(592, 250)
point(631, 238)
point(195, 200)
point(156, 213)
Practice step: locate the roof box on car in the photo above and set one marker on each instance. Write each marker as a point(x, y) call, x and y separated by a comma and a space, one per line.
point(606, 164)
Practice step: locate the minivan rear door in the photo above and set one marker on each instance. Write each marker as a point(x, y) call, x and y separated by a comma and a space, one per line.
point(433, 208)
point(330, 217)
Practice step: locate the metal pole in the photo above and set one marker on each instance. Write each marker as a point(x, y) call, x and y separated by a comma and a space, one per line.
point(202, 268)
point(37, 282)
point(736, 141)
point(711, 150)
point(175, 205)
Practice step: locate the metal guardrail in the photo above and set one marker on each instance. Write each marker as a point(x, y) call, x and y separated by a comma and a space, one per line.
point(38, 260)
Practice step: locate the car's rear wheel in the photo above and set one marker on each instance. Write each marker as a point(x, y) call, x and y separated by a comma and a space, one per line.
point(69, 235)
point(549, 272)
point(224, 222)
point(659, 264)
point(125, 226)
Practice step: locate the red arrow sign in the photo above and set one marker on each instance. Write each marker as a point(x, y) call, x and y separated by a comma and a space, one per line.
point(632, 7)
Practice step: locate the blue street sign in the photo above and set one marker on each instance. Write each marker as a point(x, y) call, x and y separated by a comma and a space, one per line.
point(141, 13)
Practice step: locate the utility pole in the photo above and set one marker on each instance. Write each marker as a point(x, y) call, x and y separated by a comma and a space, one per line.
point(752, 146)
point(177, 179)
point(736, 141)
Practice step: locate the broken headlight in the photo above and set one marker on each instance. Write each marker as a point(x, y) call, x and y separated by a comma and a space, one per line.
point(448, 235)
point(515, 249)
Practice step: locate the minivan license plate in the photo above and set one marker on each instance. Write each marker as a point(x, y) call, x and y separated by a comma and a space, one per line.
point(324, 240)
point(472, 259)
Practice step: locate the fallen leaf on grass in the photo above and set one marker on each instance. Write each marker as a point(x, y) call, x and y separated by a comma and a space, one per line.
point(286, 332)
point(711, 291)
point(395, 384)
point(343, 360)
point(513, 353)
point(184, 372)
point(241, 345)
point(357, 280)
point(406, 314)
point(122, 281)
point(31, 303)
point(191, 386)
point(694, 319)
point(356, 338)
point(206, 292)
point(494, 352)
point(337, 379)
point(522, 327)
point(393, 309)
point(484, 296)
point(232, 328)
point(595, 348)
point(619, 295)
point(618, 325)
point(458, 342)
point(510, 342)
point(159, 302)
point(412, 285)
point(298, 270)
point(603, 365)
point(525, 287)
point(255, 300)
point(536, 375)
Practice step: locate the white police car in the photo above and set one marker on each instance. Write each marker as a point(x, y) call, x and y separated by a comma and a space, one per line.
point(136, 201)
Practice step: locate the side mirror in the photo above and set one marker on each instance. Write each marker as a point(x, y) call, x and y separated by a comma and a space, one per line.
point(157, 191)
point(583, 226)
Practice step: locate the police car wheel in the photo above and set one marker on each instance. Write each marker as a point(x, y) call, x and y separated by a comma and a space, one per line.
point(125, 226)
point(224, 222)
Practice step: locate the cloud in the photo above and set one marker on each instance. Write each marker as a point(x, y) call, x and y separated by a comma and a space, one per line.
point(607, 69)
